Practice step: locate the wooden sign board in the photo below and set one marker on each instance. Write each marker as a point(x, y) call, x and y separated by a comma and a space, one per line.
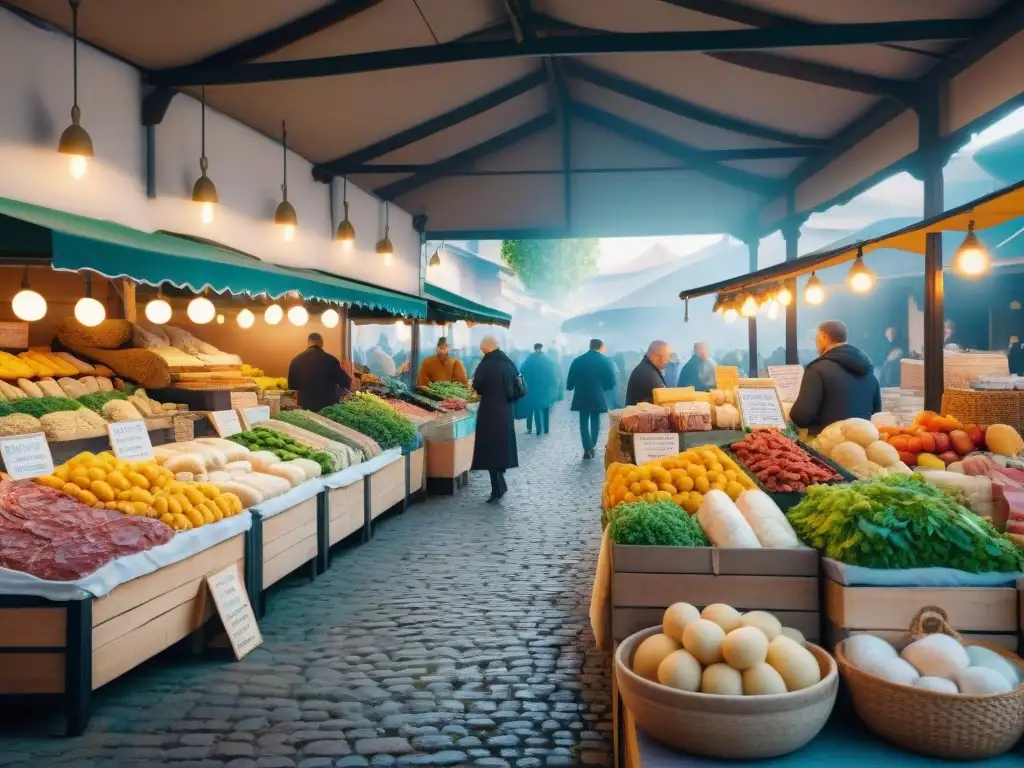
point(26, 456)
point(130, 440)
point(255, 415)
point(14, 335)
point(650, 446)
point(726, 376)
point(760, 407)
point(235, 610)
point(226, 423)
point(787, 380)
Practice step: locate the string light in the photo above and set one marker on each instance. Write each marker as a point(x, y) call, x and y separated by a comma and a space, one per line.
point(158, 311)
point(245, 319)
point(972, 259)
point(88, 311)
point(273, 314)
point(330, 318)
point(814, 292)
point(860, 279)
point(298, 315)
point(28, 305)
point(784, 296)
point(201, 310)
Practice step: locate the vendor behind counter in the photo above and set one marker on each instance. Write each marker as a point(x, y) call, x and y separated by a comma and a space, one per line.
point(441, 367)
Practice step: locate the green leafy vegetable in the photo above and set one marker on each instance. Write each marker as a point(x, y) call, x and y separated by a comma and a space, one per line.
point(446, 389)
point(654, 523)
point(5, 410)
point(900, 522)
point(95, 401)
point(374, 418)
point(284, 447)
point(40, 406)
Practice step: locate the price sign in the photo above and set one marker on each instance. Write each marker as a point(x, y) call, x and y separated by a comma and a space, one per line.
point(650, 446)
point(14, 335)
point(760, 407)
point(726, 376)
point(235, 610)
point(130, 440)
point(787, 380)
point(226, 423)
point(255, 415)
point(26, 456)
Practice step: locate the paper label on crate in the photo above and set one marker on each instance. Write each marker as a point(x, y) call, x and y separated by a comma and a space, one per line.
point(26, 456)
point(255, 415)
point(649, 446)
point(760, 407)
point(14, 335)
point(726, 376)
point(787, 380)
point(235, 610)
point(130, 440)
point(226, 423)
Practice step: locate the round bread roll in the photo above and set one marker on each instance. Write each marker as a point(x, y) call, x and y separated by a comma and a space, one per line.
point(703, 639)
point(725, 616)
point(764, 621)
point(745, 647)
point(651, 653)
point(676, 617)
point(722, 680)
point(680, 670)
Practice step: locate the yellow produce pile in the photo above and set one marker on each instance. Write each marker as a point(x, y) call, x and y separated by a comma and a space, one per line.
point(141, 488)
point(682, 479)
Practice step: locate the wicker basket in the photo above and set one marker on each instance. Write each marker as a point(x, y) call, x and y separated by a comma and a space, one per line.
point(984, 407)
point(729, 727)
point(948, 725)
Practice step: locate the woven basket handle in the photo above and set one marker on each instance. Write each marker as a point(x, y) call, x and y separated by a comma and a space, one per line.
point(932, 620)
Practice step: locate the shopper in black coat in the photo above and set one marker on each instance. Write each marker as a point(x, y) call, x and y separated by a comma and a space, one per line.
point(648, 374)
point(316, 376)
point(839, 384)
point(591, 376)
point(495, 445)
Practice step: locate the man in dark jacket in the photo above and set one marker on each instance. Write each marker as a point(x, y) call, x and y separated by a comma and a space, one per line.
point(591, 375)
point(316, 376)
point(839, 384)
point(542, 384)
point(495, 447)
point(699, 371)
point(648, 375)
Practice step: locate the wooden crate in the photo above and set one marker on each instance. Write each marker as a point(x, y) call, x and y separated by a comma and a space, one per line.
point(417, 470)
point(980, 613)
point(387, 488)
point(451, 458)
point(289, 541)
point(646, 580)
point(959, 369)
point(346, 511)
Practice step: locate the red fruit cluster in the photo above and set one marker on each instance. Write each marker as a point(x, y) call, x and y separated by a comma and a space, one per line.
point(781, 465)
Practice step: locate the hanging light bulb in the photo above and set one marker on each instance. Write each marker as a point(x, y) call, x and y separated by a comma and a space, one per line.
point(201, 310)
point(285, 216)
point(330, 318)
point(971, 259)
point(384, 246)
point(748, 306)
point(784, 296)
point(814, 292)
point(435, 260)
point(88, 311)
point(220, 319)
point(346, 233)
point(203, 191)
point(730, 315)
point(273, 314)
point(860, 279)
point(719, 306)
point(158, 311)
point(773, 309)
point(245, 319)
point(75, 142)
point(27, 304)
point(298, 315)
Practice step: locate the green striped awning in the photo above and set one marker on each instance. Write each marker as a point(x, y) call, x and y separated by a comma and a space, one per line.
point(448, 307)
point(75, 243)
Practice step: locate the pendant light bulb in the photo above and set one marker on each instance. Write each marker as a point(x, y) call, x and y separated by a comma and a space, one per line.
point(27, 304)
point(730, 315)
point(784, 296)
point(814, 293)
point(273, 314)
point(220, 319)
point(158, 311)
point(245, 319)
point(773, 309)
point(330, 318)
point(435, 260)
point(298, 315)
point(75, 141)
point(89, 312)
point(201, 310)
point(971, 259)
point(749, 306)
point(860, 279)
point(384, 246)
point(285, 216)
point(204, 191)
point(346, 233)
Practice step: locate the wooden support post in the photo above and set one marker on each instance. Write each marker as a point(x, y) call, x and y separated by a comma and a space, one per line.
point(752, 322)
point(931, 160)
point(791, 234)
point(128, 299)
point(345, 328)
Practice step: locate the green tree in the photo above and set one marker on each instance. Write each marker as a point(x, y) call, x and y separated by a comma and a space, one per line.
point(551, 268)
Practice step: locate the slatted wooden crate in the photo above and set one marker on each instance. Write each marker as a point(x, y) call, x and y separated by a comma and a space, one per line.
point(346, 511)
point(387, 488)
point(289, 540)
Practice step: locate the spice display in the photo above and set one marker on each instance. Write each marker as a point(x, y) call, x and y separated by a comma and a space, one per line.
point(48, 534)
point(321, 425)
point(654, 523)
point(373, 417)
point(900, 522)
point(72, 425)
point(780, 464)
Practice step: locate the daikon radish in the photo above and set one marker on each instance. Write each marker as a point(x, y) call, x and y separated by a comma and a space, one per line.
point(770, 526)
point(724, 524)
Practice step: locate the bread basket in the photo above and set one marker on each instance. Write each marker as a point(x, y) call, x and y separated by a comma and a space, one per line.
point(728, 727)
point(949, 725)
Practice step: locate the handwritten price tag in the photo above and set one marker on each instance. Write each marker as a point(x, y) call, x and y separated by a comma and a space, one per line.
point(26, 456)
point(235, 610)
point(760, 407)
point(255, 415)
point(787, 379)
point(226, 423)
point(130, 440)
point(650, 446)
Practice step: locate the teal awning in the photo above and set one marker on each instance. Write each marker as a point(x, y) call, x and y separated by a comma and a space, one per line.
point(447, 307)
point(75, 243)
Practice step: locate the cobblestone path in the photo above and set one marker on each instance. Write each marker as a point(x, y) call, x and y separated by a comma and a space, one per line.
point(458, 636)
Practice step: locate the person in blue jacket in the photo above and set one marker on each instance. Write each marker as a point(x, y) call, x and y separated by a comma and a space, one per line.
point(542, 385)
point(591, 375)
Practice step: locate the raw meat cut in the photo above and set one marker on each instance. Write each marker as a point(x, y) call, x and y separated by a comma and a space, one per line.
point(48, 534)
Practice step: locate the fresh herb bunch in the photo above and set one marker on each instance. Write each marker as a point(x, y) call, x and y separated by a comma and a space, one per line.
point(40, 406)
point(900, 522)
point(443, 390)
point(374, 418)
point(654, 524)
point(284, 447)
point(95, 401)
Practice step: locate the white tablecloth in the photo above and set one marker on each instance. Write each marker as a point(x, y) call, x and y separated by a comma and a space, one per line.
point(357, 472)
point(300, 493)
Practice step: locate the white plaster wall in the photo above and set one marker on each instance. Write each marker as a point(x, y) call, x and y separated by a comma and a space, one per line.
point(35, 103)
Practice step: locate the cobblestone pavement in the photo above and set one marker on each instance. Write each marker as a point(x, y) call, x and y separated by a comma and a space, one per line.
point(458, 636)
